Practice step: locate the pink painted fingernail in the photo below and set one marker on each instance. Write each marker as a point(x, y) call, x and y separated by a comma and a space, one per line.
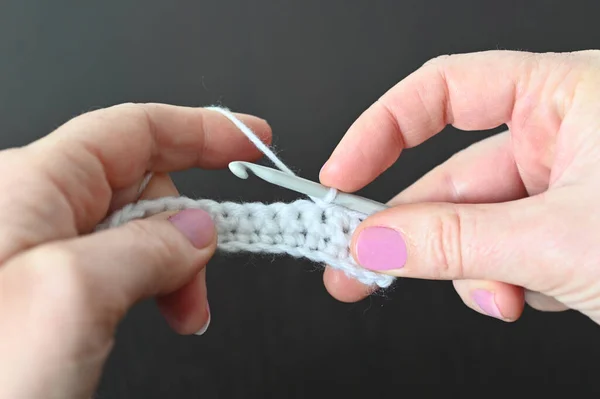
point(196, 224)
point(381, 248)
point(485, 300)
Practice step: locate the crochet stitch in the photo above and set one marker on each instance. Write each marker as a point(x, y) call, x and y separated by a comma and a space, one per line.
point(317, 230)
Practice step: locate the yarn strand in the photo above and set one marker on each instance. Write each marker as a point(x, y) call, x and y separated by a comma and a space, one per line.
point(253, 138)
point(318, 230)
point(266, 150)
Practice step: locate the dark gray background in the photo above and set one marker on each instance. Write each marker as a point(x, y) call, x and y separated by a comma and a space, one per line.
point(309, 68)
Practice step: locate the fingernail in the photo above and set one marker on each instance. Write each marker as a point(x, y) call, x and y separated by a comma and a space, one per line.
point(205, 327)
point(145, 181)
point(196, 224)
point(322, 167)
point(485, 300)
point(380, 248)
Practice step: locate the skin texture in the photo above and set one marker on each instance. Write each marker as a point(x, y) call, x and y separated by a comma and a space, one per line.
point(63, 290)
point(510, 219)
point(514, 216)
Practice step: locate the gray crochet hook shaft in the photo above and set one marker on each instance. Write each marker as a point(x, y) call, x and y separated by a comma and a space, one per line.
point(306, 187)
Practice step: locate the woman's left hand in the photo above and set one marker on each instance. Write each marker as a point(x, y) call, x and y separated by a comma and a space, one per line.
point(62, 290)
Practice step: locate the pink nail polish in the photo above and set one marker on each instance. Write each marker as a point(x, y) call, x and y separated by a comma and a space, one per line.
point(485, 300)
point(381, 248)
point(196, 224)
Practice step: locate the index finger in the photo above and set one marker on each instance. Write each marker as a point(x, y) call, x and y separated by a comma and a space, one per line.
point(66, 179)
point(130, 139)
point(469, 91)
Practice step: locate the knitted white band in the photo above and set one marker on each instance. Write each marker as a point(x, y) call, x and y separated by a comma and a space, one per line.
point(317, 230)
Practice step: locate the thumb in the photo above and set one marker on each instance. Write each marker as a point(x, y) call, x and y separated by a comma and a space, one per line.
point(73, 293)
point(443, 241)
point(109, 271)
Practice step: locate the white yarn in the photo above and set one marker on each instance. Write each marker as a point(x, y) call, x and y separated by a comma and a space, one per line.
point(266, 150)
point(300, 229)
point(317, 230)
point(252, 137)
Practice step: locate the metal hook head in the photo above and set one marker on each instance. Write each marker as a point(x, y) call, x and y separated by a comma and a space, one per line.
point(239, 169)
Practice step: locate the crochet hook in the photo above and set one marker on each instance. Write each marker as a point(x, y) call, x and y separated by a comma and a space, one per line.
point(306, 187)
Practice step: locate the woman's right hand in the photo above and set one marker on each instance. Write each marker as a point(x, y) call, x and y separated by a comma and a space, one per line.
point(514, 218)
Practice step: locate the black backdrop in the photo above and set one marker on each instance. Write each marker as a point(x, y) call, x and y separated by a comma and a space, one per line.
point(309, 68)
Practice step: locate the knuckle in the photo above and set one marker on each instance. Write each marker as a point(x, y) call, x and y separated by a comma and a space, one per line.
point(136, 111)
point(436, 61)
point(445, 245)
point(130, 107)
point(389, 115)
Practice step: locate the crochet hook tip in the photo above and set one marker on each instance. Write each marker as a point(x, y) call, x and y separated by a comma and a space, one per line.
point(239, 169)
point(279, 178)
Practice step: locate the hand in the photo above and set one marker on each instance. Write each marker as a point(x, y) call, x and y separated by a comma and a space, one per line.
point(512, 219)
point(62, 290)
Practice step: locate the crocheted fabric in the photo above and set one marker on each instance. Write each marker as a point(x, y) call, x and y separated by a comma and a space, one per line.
point(317, 230)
